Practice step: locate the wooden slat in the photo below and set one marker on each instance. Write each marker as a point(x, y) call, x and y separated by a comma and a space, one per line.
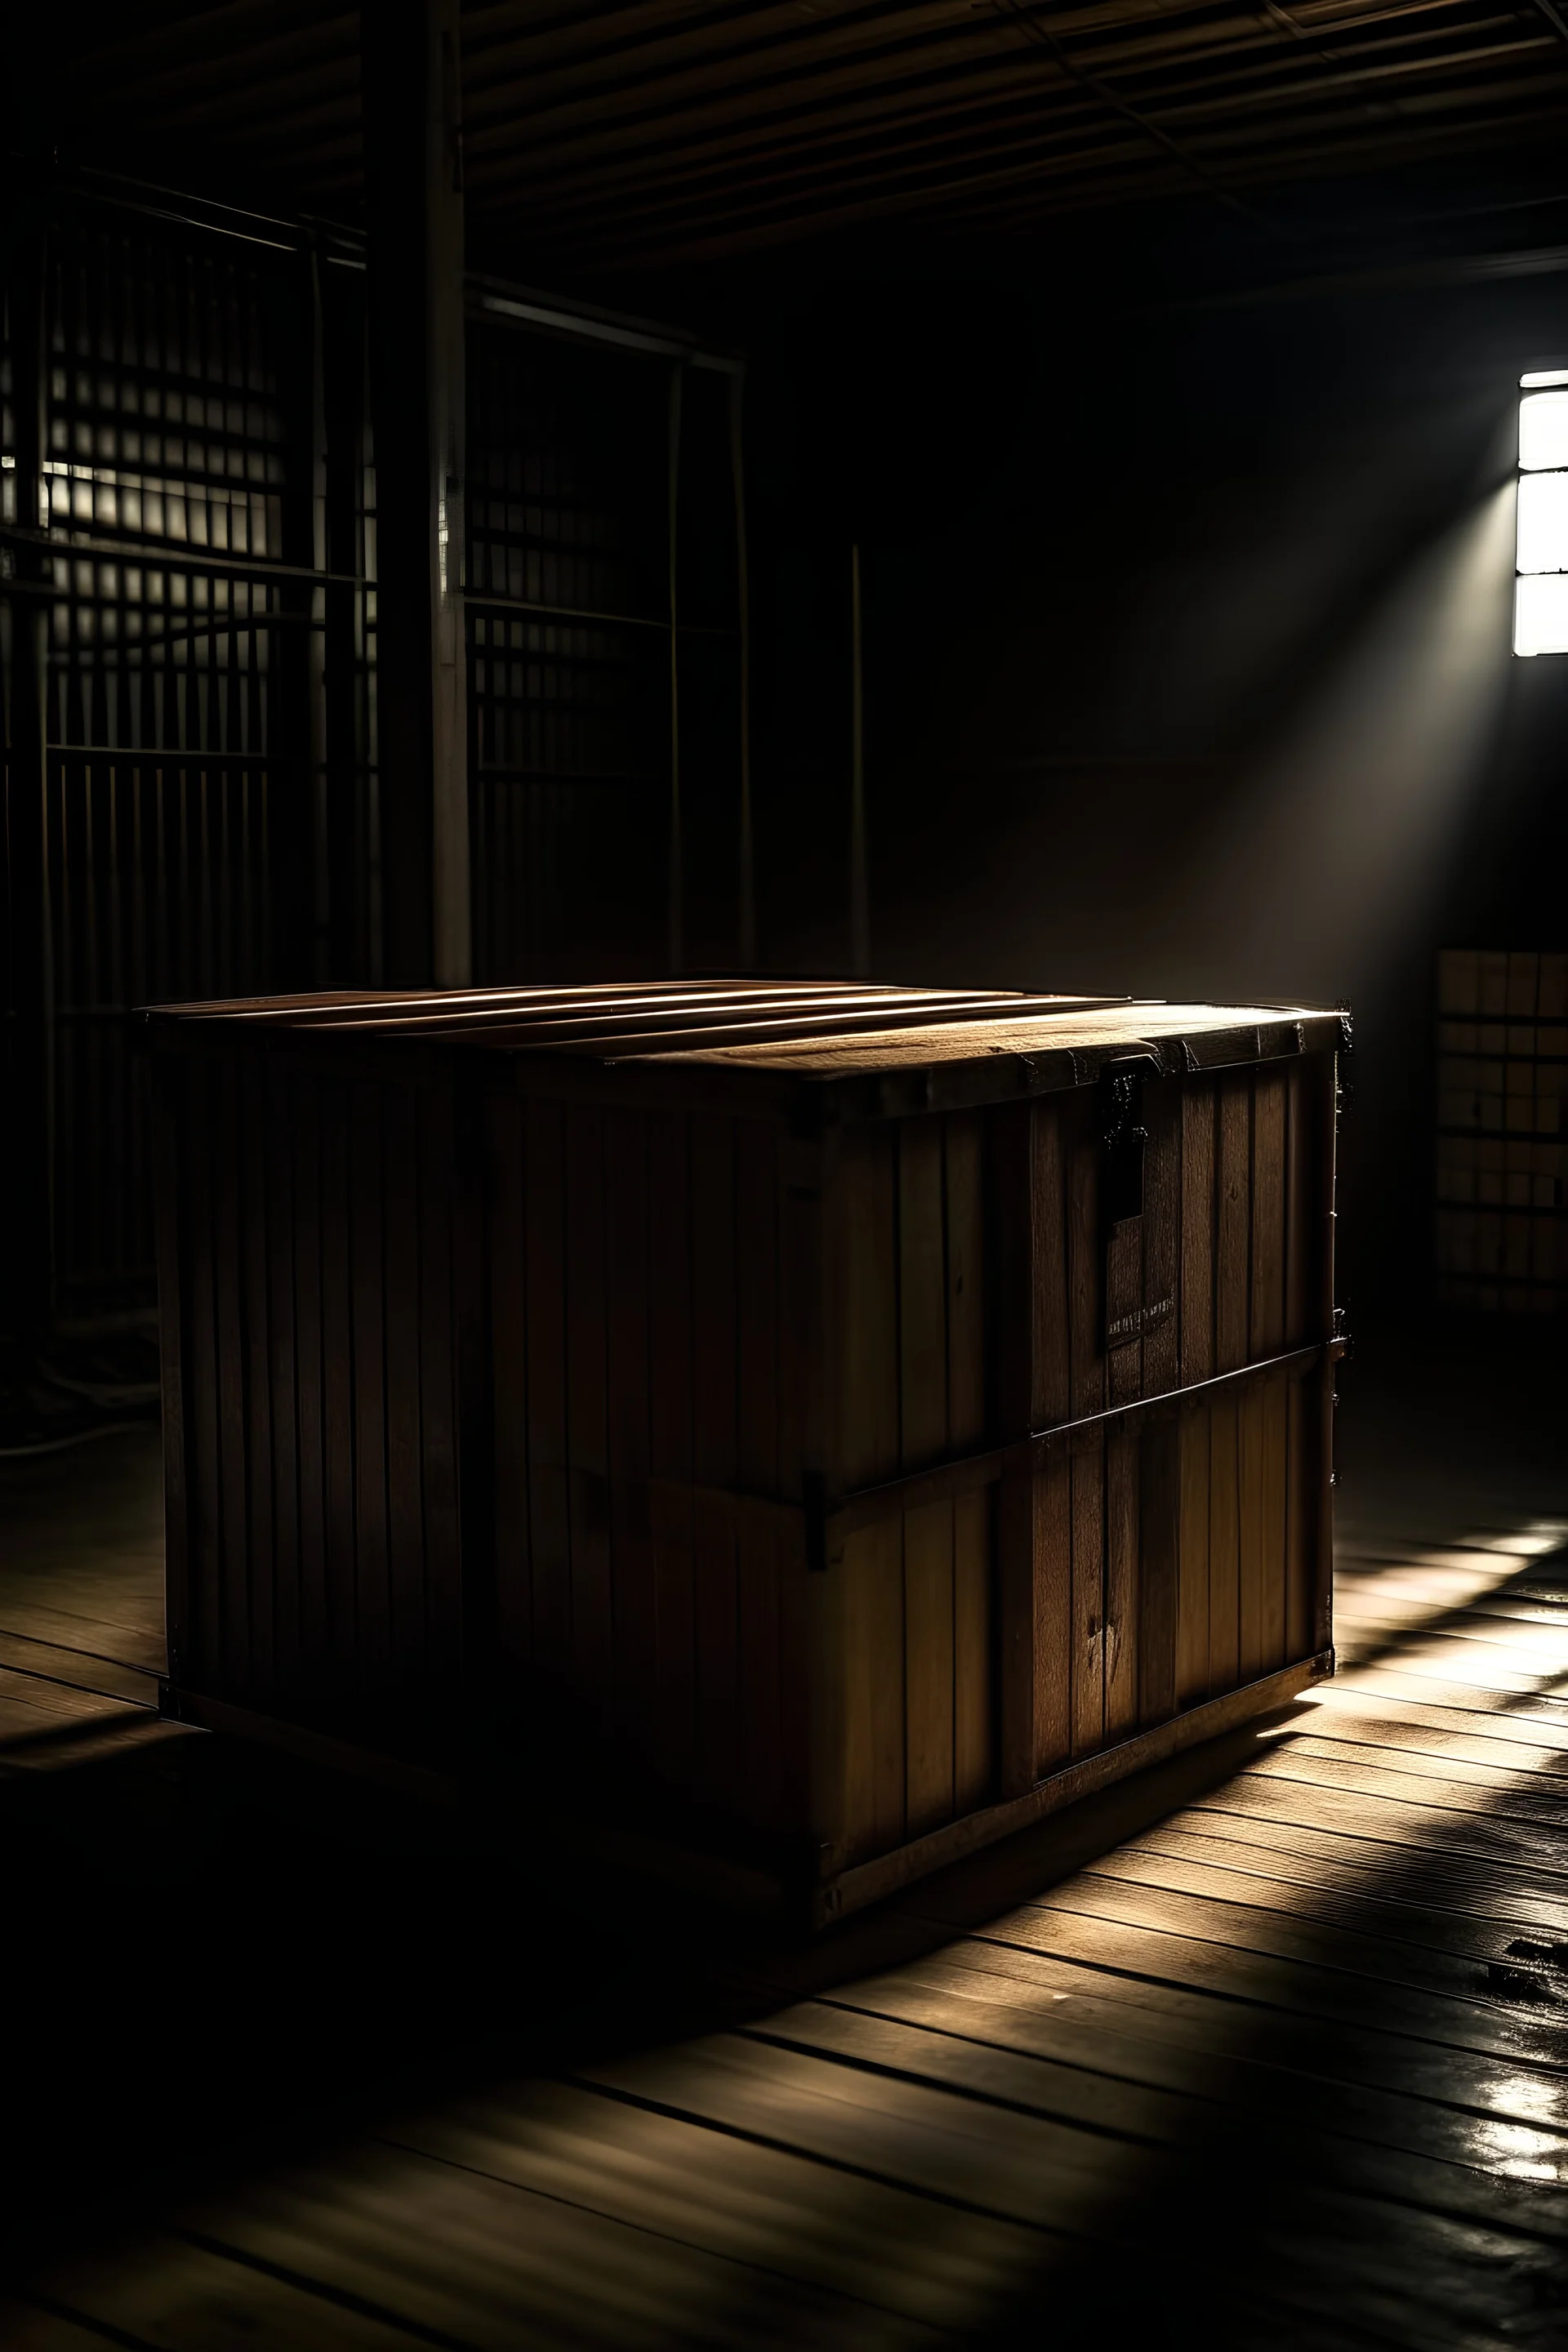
point(1123, 1594)
point(863, 1289)
point(1195, 1343)
point(170, 1147)
point(760, 1597)
point(974, 1725)
point(315, 1637)
point(1276, 1547)
point(1159, 1523)
point(203, 1664)
point(964, 1202)
point(1262, 1576)
point(587, 1413)
point(715, 1438)
point(1087, 1470)
point(929, 1662)
point(924, 1437)
point(1251, 1535)
point(1235, 1457)
point(1300, 1207)
point(629, 1430)
point(1164, 1106)
point(1224, 1540)
point(1082, 1153)
point(444, 1212)
point(372, 1601)
point(872, 1600)
point(1233, 1228)
point(337, 1357)
point(670, 1345)
point(406, 1534)
point(255, 1304)
point(922, 1289)
point(228, 1277)
point(550, 1539)
point(276, 1157)
point(802, 1473)
point(509, 1360)
point(1055, 1633)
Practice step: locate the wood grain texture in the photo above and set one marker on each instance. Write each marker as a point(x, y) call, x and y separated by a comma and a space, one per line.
point(341, 1664)
point(1123, 1582)
point(234, 1577)
point(448, 1204)
point(1159, 1526)
point(1233, 1222)
point(1162, 1221)
point(629, 1430)
point(304, 1135)
point(169, 1147)
point(974, 1698)
point(406, 1538)
point(1225, 1546)
point(1051, 1384)
point(715, 1442)
point(1251, 1535)
point(509, 1360)
point(929, 1666)
point(670, 1399)
point(550, 1525)
point(274, 1159)
point(1088, 1596)
point(261, 1456)
point(1194, 1466)
point(587, 1411)
point(964, 1275)
point(370, 1631)
point(923, 1294)
point(760, 1560)
point(1199, 1109)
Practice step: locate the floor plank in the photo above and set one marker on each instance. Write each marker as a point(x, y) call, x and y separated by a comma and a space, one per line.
point(1258, 2056)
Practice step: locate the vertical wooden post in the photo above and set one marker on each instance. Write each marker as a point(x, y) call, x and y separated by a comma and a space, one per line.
point(29, 1264)
point(742, 615)
point(414, 157)
point(859, 903)
point(677, 850)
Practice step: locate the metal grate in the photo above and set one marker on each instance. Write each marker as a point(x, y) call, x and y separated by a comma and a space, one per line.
point(568, 654)
point(198, 692)
point(165, 441)
point(204, 575)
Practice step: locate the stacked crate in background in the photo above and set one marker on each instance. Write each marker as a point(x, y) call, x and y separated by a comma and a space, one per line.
point(1502, 1059)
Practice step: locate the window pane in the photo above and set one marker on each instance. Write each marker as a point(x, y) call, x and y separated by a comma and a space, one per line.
point(1542, 522)
point(1543, 431)
point(1541, 614)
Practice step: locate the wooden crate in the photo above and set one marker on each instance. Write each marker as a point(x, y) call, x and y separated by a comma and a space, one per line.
point(813, 1427)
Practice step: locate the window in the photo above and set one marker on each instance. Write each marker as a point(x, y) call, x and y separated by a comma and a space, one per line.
point(1541, 561)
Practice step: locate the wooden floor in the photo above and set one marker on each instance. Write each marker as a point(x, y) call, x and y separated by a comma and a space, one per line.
point(1268, 2049)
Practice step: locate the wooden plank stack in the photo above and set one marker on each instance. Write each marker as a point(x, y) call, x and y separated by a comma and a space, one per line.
point(1503, 1146)
point(813, 1427)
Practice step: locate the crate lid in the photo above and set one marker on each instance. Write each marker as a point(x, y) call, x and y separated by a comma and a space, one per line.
point(973, 1044)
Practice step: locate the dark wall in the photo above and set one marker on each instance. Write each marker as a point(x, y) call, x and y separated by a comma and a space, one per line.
point(1188, 657)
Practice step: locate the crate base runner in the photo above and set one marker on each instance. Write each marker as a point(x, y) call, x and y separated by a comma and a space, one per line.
point(752, 1887)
